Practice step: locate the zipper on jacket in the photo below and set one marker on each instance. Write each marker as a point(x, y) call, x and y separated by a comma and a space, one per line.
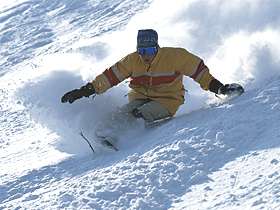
point(149, 67)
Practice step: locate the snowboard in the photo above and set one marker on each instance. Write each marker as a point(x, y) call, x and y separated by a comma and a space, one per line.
point(102, 142)
point(233, 91)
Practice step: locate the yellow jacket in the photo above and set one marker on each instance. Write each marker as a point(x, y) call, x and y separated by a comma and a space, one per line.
point(161, 80)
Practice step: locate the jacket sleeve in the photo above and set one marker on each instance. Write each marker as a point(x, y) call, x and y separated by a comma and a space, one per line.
point(202, 75)
point(195, 68)
point(112, 75)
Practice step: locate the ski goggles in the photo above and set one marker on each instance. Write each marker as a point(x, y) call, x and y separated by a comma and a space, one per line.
point(147, 50)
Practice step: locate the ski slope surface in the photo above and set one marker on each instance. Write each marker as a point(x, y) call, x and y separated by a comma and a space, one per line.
point(215, 153)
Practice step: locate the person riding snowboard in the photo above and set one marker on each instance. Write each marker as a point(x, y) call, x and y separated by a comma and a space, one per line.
point(156, 82)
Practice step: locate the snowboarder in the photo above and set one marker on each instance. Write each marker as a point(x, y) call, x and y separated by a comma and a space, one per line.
point(156, 76)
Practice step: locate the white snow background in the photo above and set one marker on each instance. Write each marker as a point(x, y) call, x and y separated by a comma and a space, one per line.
point(211, 156)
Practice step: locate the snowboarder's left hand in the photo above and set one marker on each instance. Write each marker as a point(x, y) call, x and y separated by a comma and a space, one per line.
point(231, 88)
point(217, 87)
point(73, 95)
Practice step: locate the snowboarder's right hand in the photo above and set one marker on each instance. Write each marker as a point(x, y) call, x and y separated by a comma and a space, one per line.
point(73, 95)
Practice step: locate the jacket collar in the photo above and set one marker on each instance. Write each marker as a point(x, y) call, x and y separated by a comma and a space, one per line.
point(157, 58)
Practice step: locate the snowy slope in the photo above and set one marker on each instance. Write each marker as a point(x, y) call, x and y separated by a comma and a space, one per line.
point(213, 155)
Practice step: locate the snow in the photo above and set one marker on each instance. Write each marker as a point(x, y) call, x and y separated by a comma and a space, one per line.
point(215, 154)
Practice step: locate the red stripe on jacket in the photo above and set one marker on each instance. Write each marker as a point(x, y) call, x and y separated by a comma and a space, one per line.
point(159, 80)
point(200, 68)
point(112, 78)
point(156, 80)
point(140, 80)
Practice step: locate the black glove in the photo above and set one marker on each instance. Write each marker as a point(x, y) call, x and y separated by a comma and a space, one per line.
point(231, 88)
point(73, 95)
point(217, 87)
